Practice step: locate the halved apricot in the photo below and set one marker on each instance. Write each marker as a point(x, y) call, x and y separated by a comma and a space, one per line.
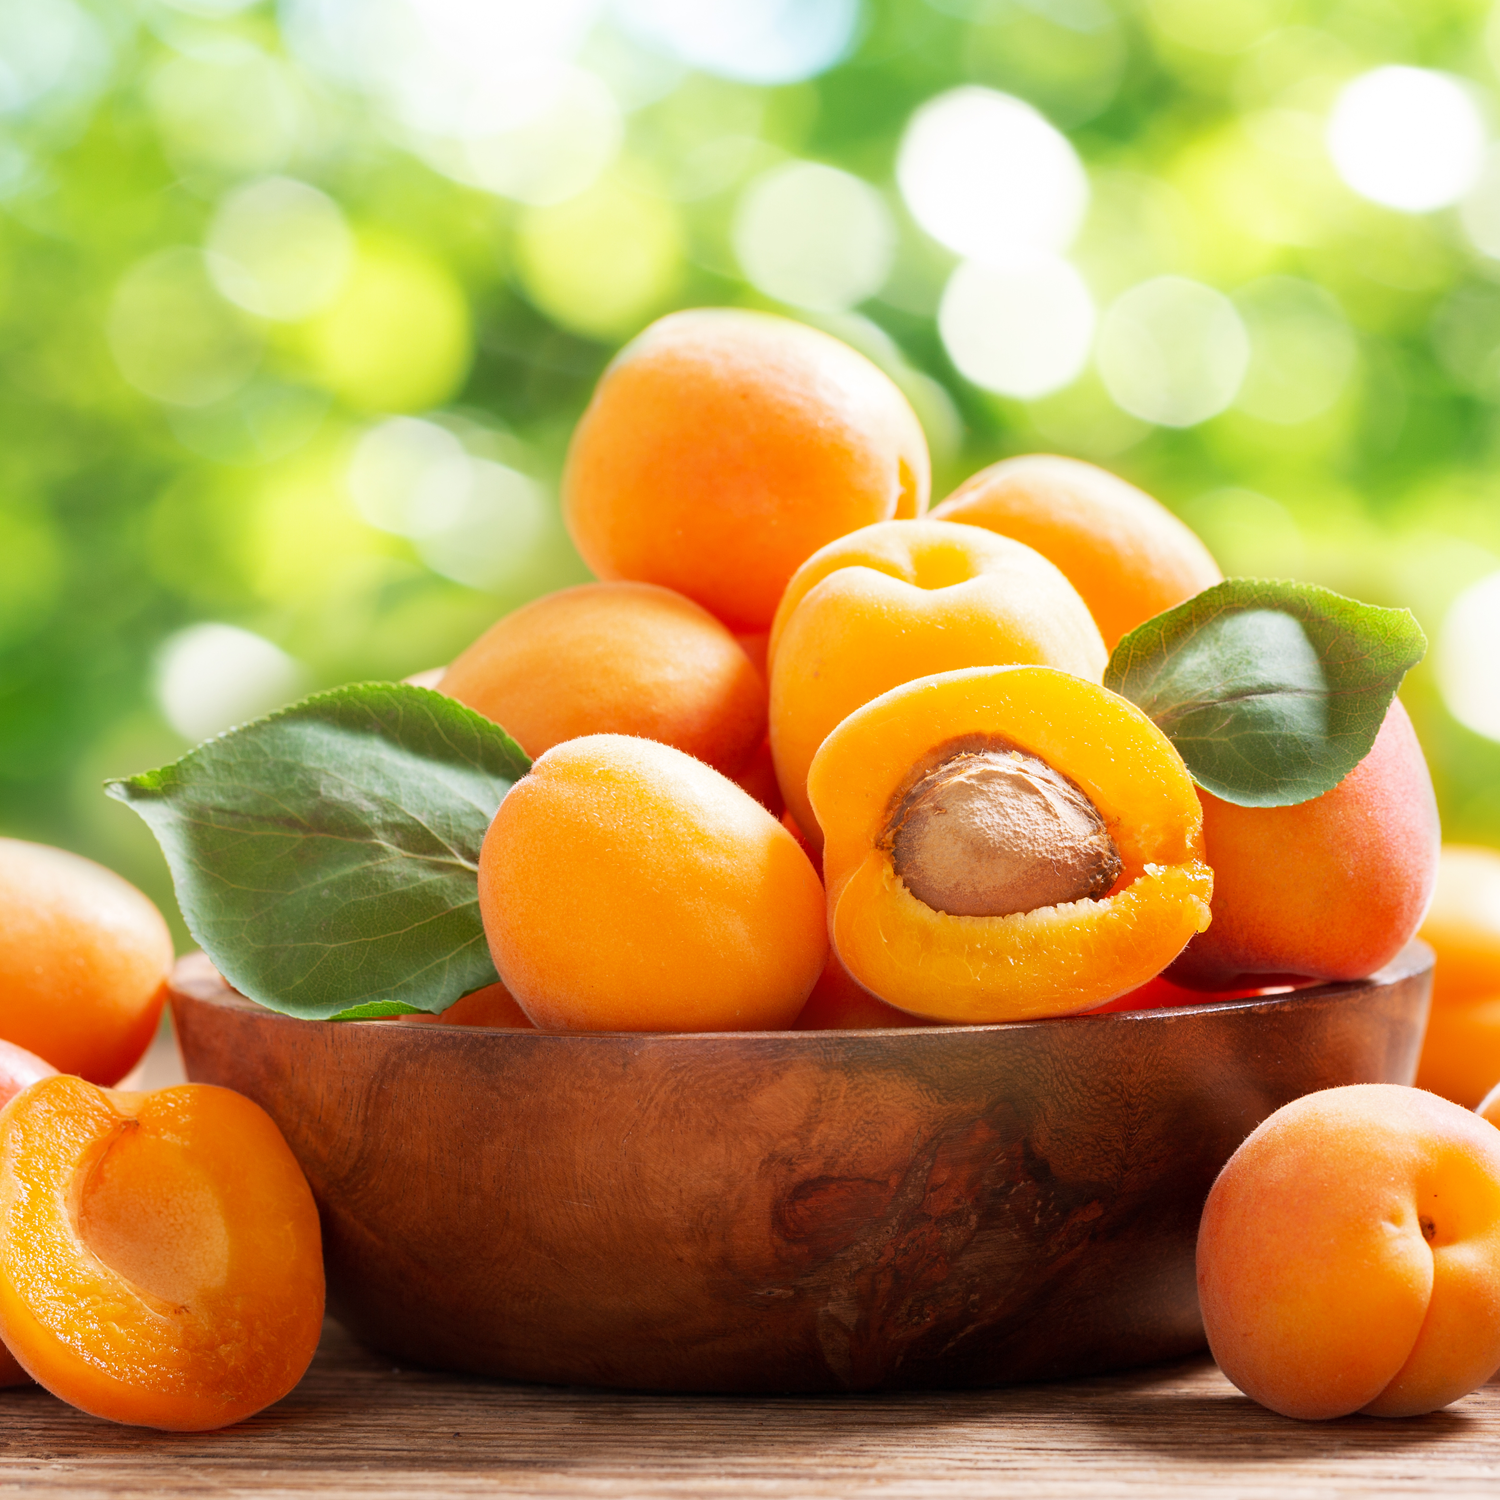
point(1051, 827)
point(160, 1256)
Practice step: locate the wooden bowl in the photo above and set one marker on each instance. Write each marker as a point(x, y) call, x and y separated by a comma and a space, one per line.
point(784, 1211)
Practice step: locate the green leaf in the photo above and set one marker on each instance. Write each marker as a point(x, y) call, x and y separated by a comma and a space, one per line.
point(326, 857)
point(1272, 692)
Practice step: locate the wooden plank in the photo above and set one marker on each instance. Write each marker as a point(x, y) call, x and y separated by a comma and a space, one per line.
point(356, 1426)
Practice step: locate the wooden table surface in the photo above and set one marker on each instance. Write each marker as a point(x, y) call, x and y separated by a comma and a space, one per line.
point(357, 1426)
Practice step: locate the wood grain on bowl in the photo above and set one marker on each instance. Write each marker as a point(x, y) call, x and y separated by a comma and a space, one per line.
point(784, 1211)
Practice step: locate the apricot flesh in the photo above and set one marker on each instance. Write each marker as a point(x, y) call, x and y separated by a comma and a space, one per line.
point(19, 1069)
point(1049, 960)
point(1349, 1255)
point(160, 1255)
point(84, 959)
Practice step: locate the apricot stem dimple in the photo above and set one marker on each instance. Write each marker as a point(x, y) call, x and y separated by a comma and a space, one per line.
point(989, 832)
point(1429, 1229)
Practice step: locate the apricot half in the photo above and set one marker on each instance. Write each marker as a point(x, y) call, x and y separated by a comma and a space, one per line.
point(160, 1256)
point(1349, 1255)
point(1070, 868)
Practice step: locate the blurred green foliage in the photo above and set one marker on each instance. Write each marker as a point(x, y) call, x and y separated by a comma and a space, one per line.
point(170, 455)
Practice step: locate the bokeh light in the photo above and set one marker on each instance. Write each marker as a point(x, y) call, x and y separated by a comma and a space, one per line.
point(1407, 138)
point(1173, 351)
point(756, 41)
point(279, 248)
point(1468, 663)
point(47, 47)
point(1480, 209)
point(1302, 351)
point(490, 543)
point(985, 174)
point(814, 236)
point(409, 477)
point(174, 337)
point(397, 337)
point(1022, 330)
point(211, 677)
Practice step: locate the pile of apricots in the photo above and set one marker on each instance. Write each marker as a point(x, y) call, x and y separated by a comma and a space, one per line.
point(809, 754)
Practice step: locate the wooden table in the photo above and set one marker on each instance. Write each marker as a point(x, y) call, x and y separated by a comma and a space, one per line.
point(356, 1426)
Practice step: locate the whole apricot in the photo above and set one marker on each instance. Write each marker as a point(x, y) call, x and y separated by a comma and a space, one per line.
point(160, 1256)
point(493, 1006)
point(1332, 888)
point(84, 959)
point(723, 447)
point(1461, 1052)
point(625, 886)
point(1349, 1255)
point(1125, 552)
point(616, 658)
point(838, 1003)
point(902, 600)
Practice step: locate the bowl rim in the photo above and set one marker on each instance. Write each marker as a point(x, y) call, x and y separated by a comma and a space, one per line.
point(194, 977)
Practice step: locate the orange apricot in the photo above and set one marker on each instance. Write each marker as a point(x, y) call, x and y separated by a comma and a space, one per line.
point(616, 658)
point(625, 886)
point(902, 600)
point(1125, 552)
point(1461, 1051)
point(84, 959)
point(1004, 843)
point(722, 447)
point(1332, 888)
point(1349, 1255)
point(493, 1006)
point(838, 1003)
point(160, 1256)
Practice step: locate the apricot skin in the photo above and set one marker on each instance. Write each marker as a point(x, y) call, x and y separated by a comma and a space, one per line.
point(84, 959)
point(1332, 888)
point(902, 600)
point(722, 447)
point(1125, 552)
point(616, 658)
point(1461, 1052)
point(1349, 1255)
point(625, 886)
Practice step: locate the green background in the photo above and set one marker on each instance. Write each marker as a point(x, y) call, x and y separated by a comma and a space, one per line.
point(127, 516)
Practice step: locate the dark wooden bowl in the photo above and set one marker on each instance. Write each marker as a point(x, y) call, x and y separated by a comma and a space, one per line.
point(784, 1211)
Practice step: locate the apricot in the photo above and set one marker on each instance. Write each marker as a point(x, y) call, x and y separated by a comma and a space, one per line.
point(1126, 553)
point(160, 1258)
point(1349, 1255)
point(84, 959)
point(901, 600)
point(1332, 888)
point(625, 886)
point(493, 1006)
point(1461, 1052)
point(616, 658)
point(838, 1003)
point(723, 447)
point(19, 1069)
point(1077, 875)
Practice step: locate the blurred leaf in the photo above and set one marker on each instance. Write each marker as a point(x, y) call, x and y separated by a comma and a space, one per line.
point(325, 857)
point(1272, 692)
